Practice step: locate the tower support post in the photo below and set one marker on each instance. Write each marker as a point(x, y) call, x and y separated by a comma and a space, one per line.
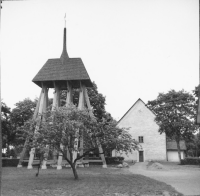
point(60, 158)
point(55, 153)
point(31, 157)
point(80, 107)
point(22, 154)
point(56, 98)
point(91, 114)
point(56, 103)
point(39, 116)
point(45, 105)
point(26, 141)
point(69, 100)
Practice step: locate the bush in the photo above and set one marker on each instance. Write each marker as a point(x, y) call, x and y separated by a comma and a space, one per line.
point(10, 162)
point(92, 158)
point(11, 152)
point(190, 161)
point(3, 154)
point(114, 160)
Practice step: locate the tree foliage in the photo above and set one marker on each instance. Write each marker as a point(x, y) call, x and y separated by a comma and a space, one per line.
point(115, 138)
point(97, 100)
point(175, 114)
point(193, 146)
point(197, 95)
point(61, 129)
point(23, 111)
point(7, 135)
point(196, 91)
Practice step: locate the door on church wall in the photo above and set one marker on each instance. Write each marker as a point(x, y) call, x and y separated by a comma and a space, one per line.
point(141, 156)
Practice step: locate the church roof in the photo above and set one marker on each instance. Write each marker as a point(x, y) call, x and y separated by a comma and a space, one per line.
point(139, 100)
point(63, 69)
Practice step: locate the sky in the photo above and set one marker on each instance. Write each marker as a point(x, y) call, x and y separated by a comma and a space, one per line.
point(132, 49)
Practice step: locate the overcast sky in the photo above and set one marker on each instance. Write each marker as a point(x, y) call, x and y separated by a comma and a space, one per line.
point(131, 48)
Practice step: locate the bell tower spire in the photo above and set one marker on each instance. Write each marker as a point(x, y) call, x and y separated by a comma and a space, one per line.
point(64, 56)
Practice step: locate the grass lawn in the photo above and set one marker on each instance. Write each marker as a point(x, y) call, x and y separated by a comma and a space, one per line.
point(93, 181)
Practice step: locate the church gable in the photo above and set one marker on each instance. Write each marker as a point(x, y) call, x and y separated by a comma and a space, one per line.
point(143, 128)
point(137, 114)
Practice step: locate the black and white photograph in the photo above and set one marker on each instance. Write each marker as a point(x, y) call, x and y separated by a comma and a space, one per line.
point(100, 97)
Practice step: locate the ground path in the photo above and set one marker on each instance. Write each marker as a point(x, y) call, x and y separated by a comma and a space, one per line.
point(185, 179)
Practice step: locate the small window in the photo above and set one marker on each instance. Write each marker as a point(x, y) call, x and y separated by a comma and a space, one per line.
point(141, 139)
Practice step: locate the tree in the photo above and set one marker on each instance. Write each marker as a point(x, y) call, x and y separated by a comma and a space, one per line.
point(7, 134)
point(114, 138)
point(197, 144)
point(193, 146)
point(23, 111)
point(97, 100)
point(175, 114)
point(65, 125)
point(196, 91)
point(197, 95)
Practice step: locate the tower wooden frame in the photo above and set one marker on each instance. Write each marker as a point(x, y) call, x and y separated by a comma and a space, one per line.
point(55, 79)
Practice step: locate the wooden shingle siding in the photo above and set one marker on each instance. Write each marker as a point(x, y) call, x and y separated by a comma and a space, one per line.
point(55, 70)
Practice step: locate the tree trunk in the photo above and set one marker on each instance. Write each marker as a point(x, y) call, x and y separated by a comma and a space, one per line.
point(73, 165)
point(74, 171)
point(179, 150)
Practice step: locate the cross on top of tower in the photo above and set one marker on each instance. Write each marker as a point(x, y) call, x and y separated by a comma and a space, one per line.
point(63, 69)
point(65, 20)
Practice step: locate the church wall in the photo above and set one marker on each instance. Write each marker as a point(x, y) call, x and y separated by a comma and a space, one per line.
point(141, 122)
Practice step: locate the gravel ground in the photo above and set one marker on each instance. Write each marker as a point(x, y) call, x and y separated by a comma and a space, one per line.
point(185, 179)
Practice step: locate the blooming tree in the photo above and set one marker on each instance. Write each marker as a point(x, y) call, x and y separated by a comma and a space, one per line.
point(65, 126)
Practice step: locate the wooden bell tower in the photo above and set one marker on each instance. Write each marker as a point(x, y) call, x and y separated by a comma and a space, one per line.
point(62, 73)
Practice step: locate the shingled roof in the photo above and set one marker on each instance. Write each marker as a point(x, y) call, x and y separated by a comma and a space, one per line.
point(63, 69)
point(171, 145)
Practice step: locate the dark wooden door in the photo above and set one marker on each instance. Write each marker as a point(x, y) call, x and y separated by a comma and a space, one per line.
point(141, 156)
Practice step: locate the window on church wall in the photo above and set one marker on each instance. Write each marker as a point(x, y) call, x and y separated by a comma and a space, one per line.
point(141, 139)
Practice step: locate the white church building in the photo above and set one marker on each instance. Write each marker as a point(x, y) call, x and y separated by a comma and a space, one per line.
point(152, 145)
